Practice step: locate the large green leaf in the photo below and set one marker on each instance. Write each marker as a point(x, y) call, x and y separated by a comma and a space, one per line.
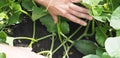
point(3, 3)
point(2, 55)
point(101, 35)
point(91, 2)
point(38, 12)
point(16, 7)
point(97, 13)
point(27, 4)
point(2, 36)
point(112, 46)
point(85, 46)
point(49, 23)
point(115, 19)
point(14, 18)
point(91, 56)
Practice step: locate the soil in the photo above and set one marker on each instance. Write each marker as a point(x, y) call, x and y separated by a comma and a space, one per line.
point(25, 29)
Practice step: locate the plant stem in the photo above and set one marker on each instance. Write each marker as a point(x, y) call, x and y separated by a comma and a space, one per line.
point(93, 29)
point(69, 49)
point(34, 3)
point(52, 44)
point(34, 28)
point(27, 38)
point(85, 32)
point(44, 37)
point(75, 32)
point(59, 35)
point(67, 39)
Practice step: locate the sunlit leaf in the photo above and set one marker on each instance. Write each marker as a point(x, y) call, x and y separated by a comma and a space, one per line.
point(3, 15)
point(91, 56)
point(112, 46)
point(115, 19)
point(91, 2)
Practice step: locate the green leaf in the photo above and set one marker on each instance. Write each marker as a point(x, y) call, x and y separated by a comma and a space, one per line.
point(2, 36)
point(15, 7)
point(105, 55)
point(14, 18)
point(27, 4)
point(91, 2)
point(49, 23)
point(101, 35)
point(64, 27)
point(112, 46)
point(100, 51)
point(2, 55)
point(117, 32)
point(101, 18)
point(91, 56)
point(97, 10)
point(116, 3)
point(38, 12)
point(2, 3)
point(85, 46)
point(3, 15)
point(115, 19)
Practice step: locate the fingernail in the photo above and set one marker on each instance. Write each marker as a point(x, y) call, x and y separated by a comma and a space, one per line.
point(84, 24)
point(90, 18)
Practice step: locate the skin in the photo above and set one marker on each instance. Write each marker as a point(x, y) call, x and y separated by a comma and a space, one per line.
point(67, 9)
point(18, 52)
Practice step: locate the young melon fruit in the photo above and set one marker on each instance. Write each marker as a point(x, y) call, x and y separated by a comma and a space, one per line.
point(85, 46)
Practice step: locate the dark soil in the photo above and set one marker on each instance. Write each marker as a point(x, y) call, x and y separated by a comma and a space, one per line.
point(25, 29)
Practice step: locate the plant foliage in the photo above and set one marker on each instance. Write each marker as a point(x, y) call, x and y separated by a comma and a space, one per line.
point(104, 29)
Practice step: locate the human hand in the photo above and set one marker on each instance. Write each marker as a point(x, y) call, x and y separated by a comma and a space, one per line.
point(18, 52)
point(67, 9)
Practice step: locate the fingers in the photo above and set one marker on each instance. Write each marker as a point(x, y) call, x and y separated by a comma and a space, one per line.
point(75, 19)
point(78, 8)
point(55, 18)
point(81, 15)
